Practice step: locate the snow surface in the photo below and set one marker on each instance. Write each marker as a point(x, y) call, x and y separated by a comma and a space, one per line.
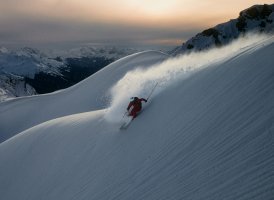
point(90, 94)
point(207, 133)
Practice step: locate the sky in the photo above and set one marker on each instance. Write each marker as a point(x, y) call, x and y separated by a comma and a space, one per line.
point(126, 22)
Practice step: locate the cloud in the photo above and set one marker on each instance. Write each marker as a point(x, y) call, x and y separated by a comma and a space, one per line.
point(32, 31)
point(40, 22)
point(45, 22)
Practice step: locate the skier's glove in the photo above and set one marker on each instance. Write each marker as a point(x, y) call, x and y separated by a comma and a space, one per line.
point(145, 100)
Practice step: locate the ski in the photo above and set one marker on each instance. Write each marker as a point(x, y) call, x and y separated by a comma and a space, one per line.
point(126, 124)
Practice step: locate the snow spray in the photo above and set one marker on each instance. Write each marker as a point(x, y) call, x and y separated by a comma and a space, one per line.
point(139, 82)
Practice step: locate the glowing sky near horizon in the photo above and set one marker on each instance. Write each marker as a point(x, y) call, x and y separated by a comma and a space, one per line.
point(166, 22)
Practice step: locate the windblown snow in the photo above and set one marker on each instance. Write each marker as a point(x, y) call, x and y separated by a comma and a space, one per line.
point(140, 82)
point(206, 133)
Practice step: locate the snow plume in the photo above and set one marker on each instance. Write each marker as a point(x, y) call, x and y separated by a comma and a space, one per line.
point(140, 81)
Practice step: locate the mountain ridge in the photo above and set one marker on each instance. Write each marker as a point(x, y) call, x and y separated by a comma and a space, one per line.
point(255, 19)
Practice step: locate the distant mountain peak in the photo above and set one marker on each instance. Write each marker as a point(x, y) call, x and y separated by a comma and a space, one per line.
point(4, 50)
point(257, 18)
point(257, 12)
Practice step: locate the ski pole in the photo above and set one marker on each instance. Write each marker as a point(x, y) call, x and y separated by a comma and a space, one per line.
point(152, 91)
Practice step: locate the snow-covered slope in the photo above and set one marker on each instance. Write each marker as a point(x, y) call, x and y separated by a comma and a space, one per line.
point(90, 94)
point(17, 65)
point(27, 62)
point(205, 136)
point(27, 71)
point(258, 18)
point(14, 86)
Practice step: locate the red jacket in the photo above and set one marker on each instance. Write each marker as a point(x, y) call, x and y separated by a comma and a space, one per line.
point(137, 104)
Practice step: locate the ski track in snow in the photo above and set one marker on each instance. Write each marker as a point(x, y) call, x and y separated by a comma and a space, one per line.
point(205, 136)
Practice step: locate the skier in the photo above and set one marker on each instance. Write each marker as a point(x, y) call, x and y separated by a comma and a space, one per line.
point(135, 106)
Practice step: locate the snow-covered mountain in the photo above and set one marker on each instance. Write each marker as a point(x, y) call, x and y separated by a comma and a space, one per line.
point(14, 86)
point(29, 71)
point(258, 18)
point(17, 65)
point(206, 132)
point(27, 62)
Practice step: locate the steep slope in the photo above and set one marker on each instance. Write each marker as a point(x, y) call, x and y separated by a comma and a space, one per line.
point(90, 94)
point(209, 136)
point(14, 86)
point(258, 18)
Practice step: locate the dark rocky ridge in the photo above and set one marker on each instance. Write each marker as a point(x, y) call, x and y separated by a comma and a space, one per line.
point(258, 18)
